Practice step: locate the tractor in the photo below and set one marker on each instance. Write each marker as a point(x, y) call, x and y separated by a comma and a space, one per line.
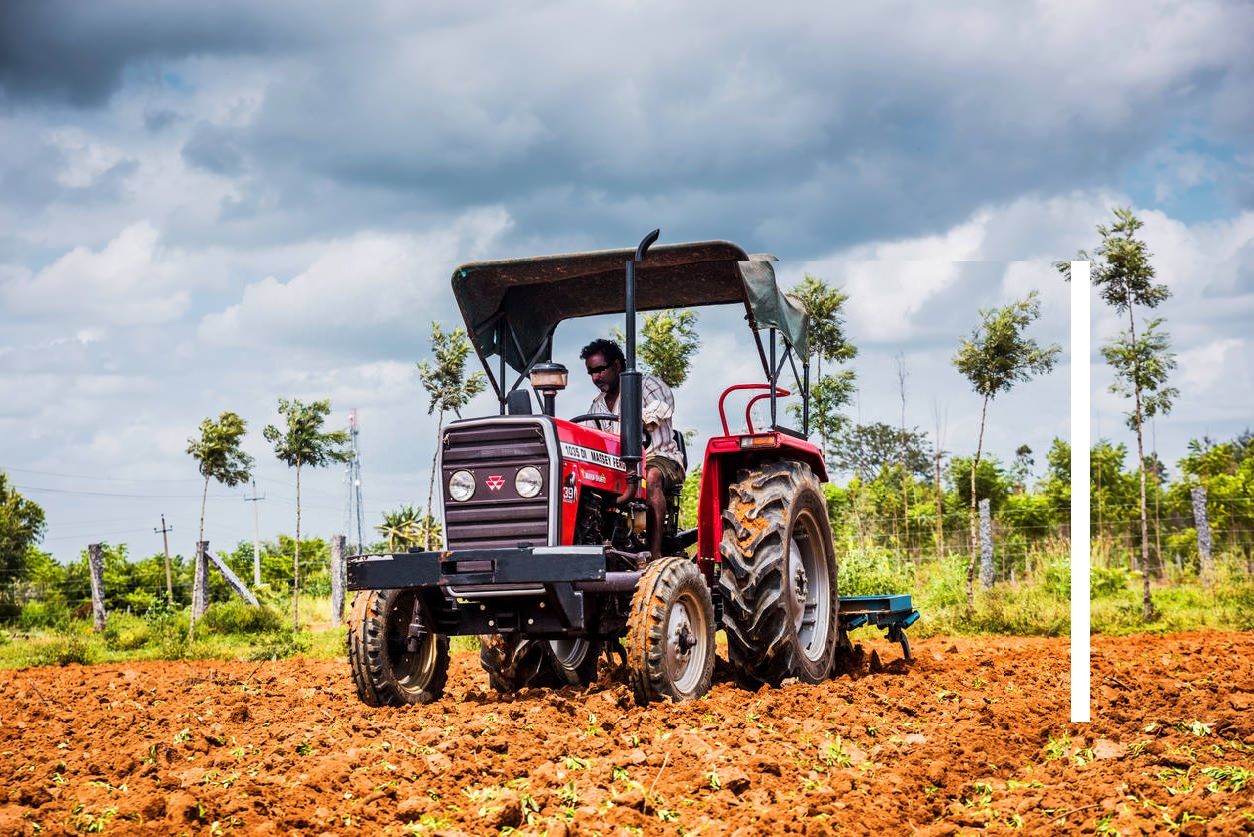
point(544, 521)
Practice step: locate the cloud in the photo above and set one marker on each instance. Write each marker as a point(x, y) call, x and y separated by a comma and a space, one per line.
point(357, 289)
point(131, 281)
point(66, 52)
point(1202, 367)
point(828, 125)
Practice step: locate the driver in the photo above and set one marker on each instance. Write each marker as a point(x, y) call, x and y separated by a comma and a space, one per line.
point(663, 465)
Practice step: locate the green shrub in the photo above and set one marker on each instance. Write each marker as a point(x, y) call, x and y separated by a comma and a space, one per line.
point(1056, 578)
point(62, 650)
point(281, 644)
point(124, 632)
point(44, 615)
point(239, 617)
point(10, 612)
point(870, 572)
point(1106, 582)
point(946, 584)
point(1238, 603)
point(167, 631)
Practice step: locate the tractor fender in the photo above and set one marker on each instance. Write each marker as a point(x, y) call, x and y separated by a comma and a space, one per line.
point(724, 457)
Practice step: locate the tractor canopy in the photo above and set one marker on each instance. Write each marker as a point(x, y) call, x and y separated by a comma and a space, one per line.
point(511, 308)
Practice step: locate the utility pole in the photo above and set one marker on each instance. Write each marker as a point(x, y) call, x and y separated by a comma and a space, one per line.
point(256, 535)
point(165, 542)
point(352, 477)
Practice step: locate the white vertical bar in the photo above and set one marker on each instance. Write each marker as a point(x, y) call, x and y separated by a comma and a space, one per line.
point(1080, 443)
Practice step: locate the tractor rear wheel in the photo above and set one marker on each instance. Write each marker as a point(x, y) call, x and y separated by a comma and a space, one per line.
point(514, 662)
point(780, 604)
point(384, 671)
point(670, 633)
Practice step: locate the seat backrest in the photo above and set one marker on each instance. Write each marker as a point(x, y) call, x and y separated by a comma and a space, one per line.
point(518, 402)
point(683, 449)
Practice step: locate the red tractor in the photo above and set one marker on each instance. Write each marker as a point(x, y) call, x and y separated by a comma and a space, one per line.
point(544, 516)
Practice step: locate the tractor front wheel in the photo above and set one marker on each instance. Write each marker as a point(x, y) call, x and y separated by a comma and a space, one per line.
point(780, 605)
point(385, 671)
point(670, 634)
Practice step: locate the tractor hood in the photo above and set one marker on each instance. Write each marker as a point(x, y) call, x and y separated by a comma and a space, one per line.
point(511, 308)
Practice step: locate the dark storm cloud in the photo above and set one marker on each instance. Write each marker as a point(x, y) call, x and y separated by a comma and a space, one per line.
point(808, 134)
point(76, 53)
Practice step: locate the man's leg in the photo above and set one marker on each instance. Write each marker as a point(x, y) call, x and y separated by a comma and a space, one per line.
point(655, 512)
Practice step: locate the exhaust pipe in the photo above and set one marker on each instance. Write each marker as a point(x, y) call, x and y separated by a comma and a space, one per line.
point(630, 408)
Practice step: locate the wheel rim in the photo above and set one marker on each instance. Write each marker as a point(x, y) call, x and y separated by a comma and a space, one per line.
point(412, 669)
point(569, 653)
point(685, 651)
point(809, 581)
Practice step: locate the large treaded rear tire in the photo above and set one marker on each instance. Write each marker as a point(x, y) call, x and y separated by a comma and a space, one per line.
point(670, 633)
point(781, 611)
point(384, 673)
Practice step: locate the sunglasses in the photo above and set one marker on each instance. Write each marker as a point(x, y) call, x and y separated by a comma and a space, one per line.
point(592, 370)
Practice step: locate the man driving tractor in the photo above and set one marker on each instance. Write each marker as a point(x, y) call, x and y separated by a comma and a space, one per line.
point(663, 464)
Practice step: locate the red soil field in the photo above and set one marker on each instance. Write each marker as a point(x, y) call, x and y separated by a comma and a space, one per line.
point(973, 735)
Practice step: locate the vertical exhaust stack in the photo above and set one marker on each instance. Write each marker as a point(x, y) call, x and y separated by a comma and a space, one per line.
point(629, 396)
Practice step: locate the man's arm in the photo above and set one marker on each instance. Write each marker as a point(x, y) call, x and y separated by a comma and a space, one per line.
point(659, 403)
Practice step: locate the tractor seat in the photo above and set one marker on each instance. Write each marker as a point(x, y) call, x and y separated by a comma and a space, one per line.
point(683, 452)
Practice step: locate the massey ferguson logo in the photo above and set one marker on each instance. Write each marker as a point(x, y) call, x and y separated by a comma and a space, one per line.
point(495, 482)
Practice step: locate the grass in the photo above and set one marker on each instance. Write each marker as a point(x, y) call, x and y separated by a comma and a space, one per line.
point(1041, 605)
point(45, 635)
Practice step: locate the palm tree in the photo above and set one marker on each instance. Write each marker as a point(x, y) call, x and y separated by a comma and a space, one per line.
point(218, 456)
point(305, 443)
point(400, 528)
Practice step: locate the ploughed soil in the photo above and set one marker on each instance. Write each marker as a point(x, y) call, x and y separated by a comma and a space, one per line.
point(973, 735)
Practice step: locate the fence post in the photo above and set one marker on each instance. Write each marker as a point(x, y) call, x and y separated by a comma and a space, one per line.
point(1202, 522)
point(338, 579)
point(95, 563)
point(986, 545)
point(232, 580)
point(200, 581)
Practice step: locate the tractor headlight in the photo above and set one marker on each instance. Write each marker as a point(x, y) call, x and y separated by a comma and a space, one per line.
point(461, 486)
point(528, 481)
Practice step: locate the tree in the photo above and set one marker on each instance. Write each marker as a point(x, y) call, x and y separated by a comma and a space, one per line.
point(828, 393)
point(1122, 272)
point(21, 527)
point(867, 447)
point(446, 382)
point(668, 342)
point(996, 358)
point(218, 457)
point(400, 528)
point(1057, 483)
point(1112, 492)
point(1226, 471)
point(305, 443)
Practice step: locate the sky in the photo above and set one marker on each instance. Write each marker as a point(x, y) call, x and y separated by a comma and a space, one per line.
point(209, 207)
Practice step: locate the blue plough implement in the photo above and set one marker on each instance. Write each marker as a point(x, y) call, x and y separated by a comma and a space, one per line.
point(892, 613)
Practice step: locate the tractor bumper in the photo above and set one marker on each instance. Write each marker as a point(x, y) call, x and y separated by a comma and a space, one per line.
point(477, 568)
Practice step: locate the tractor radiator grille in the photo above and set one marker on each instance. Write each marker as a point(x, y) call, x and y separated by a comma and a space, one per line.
point(495, 515)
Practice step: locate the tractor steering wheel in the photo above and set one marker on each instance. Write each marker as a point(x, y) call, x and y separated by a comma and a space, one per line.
point(645, 439)
point(595, 417)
